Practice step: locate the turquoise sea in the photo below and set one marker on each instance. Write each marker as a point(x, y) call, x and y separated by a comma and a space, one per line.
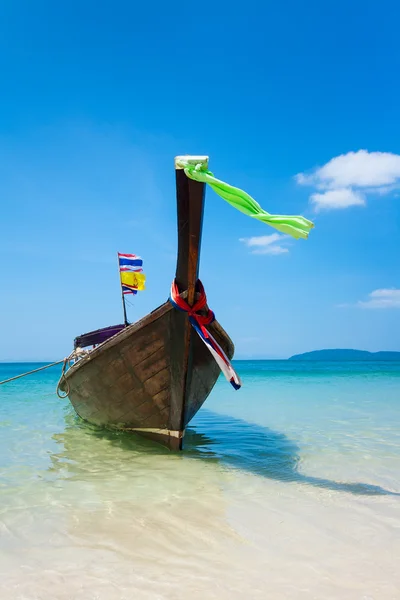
point(286, 489)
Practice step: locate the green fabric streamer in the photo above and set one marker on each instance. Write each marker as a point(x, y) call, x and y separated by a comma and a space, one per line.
point(297, 227)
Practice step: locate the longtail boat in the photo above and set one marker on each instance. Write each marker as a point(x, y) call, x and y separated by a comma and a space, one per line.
point(151, 377)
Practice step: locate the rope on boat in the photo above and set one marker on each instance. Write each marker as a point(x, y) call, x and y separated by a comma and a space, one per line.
point(77, 353)
point(30, 372)
point(63, 380)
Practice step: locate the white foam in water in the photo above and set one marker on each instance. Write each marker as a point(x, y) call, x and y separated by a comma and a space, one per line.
point(288, 489)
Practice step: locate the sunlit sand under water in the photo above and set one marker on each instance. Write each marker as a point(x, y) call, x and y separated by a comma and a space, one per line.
point(289, 488)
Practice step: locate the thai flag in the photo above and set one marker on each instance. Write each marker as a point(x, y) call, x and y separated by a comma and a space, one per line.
point(129, 262)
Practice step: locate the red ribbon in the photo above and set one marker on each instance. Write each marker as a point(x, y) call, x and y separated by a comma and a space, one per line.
point(194, 311)
point(199, 323)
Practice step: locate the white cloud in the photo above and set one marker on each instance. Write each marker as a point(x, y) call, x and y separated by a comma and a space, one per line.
point(271, 250)
point(384, 298)
point(342, 178)
point(262, 240)
point(266, 244)
point(304, 179)
point(359, 169)
point(342, 198)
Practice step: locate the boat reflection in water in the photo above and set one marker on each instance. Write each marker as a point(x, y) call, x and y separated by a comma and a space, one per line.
point(228, 443)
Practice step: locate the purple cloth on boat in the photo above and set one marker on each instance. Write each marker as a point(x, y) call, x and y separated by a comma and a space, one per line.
point(98, 336)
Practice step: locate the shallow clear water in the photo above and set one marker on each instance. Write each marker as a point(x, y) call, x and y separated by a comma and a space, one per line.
point(288, 488)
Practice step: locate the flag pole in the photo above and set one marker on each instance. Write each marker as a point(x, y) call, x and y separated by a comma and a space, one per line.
point(124, 307)
point(122, 295)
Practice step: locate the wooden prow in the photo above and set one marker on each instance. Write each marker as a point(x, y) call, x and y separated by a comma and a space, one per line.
point(190, 205)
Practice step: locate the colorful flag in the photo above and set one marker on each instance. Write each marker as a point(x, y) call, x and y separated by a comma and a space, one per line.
point(131, 273)
point(127, 289)
point(133, 279)
point(129, 262)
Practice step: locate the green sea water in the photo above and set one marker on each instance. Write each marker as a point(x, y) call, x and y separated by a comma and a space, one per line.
point(288, 488)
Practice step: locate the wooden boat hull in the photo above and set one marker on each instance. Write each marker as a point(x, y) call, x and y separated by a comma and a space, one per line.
point(154, 375)
point(151, 378)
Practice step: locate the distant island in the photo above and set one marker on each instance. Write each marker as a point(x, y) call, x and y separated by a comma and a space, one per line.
point(340, 355)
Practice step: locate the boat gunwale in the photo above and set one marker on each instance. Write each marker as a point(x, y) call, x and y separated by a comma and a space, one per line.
point(156, 314)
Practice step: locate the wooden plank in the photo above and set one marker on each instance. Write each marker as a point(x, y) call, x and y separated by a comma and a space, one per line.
point(153, 364)
point(162, 399)
point(198, 391)
point(136, 350)
point(124, 384)
point(157, 382)
point(112, 371)
point(159, 419)
point(138, 414)
point(115, 368)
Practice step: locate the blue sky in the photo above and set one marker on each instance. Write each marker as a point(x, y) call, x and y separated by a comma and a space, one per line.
point(97, 99)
